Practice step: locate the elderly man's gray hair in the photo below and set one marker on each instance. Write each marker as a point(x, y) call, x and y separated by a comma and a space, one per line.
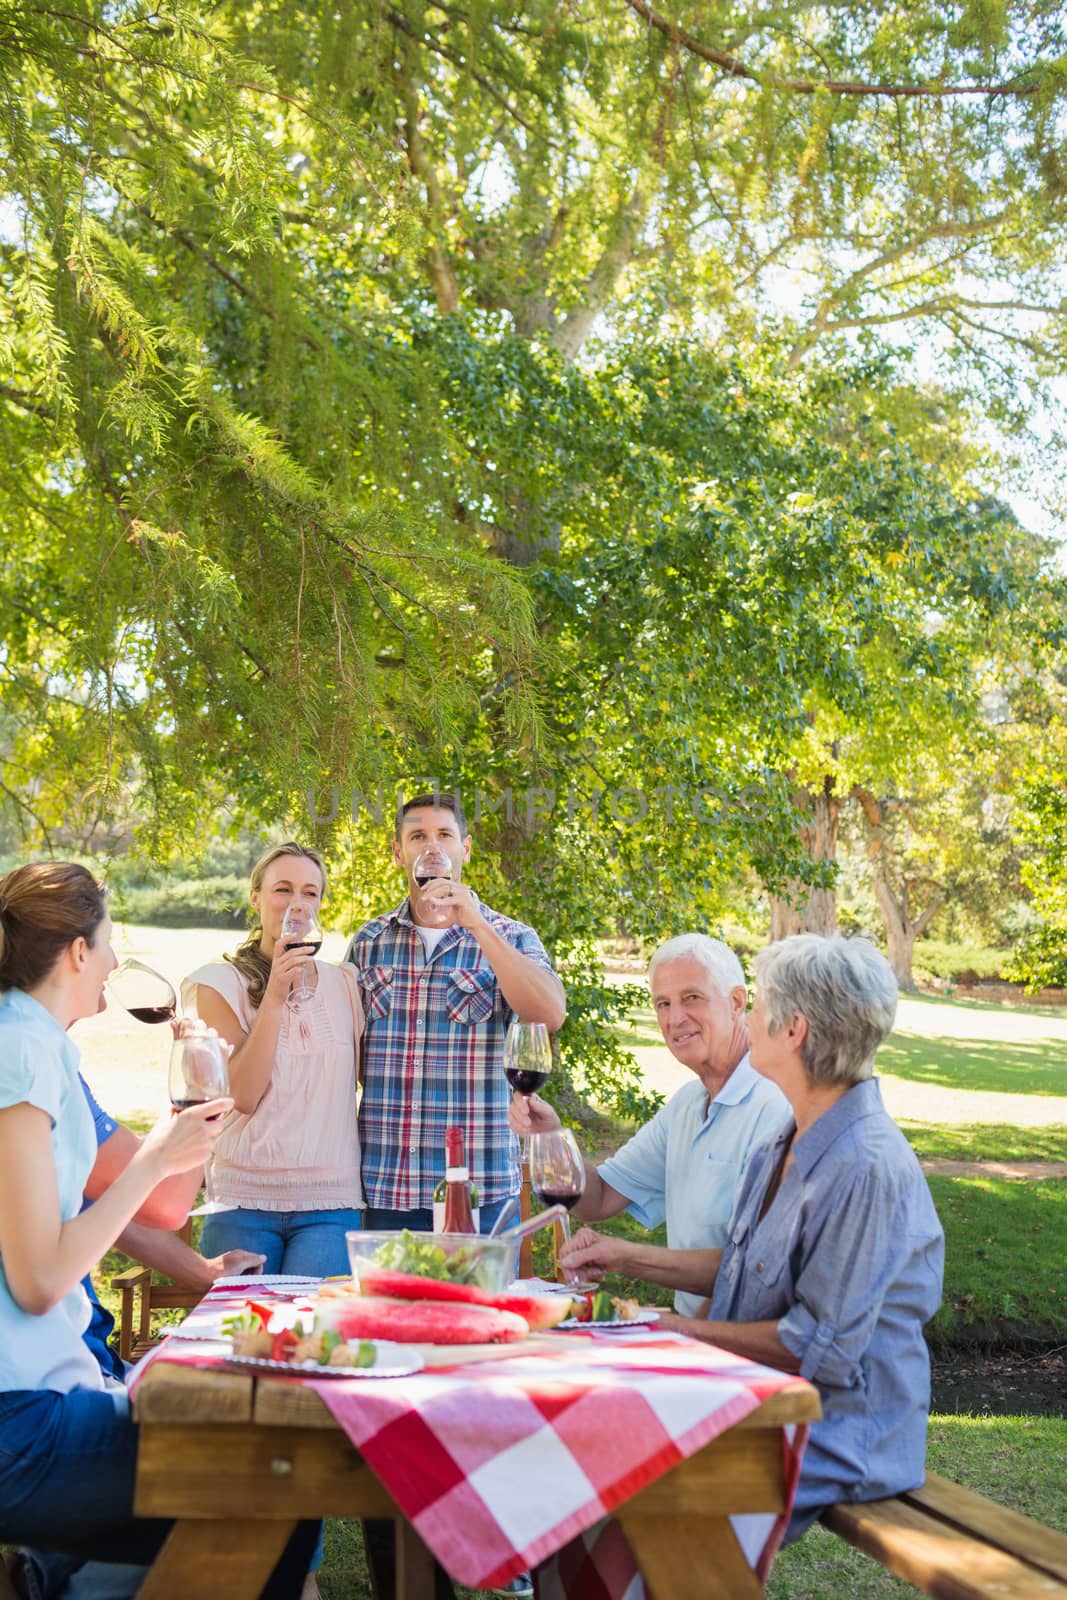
point(846, 990)
point(717, 959)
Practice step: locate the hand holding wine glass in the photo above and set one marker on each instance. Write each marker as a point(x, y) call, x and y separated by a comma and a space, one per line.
point(198, 1073)
point(143, 992)
point(431, 865)
point(557, 1172)
point(300, 931)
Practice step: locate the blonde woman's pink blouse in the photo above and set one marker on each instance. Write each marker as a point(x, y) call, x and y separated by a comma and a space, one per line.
point(299, 1149)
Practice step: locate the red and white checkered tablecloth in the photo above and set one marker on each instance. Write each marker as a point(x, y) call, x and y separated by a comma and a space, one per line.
point(500, 1465)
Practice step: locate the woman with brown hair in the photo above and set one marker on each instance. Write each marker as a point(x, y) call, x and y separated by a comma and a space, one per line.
point(287, 1160)
point(68, 1446)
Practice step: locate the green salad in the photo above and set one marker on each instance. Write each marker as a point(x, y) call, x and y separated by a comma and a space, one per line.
point(414, 1253)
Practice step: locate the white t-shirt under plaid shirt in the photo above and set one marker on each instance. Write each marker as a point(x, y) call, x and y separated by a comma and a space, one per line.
point(433, 1051)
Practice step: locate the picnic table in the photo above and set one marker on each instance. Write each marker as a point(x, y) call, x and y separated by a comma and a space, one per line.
point(490, 1459)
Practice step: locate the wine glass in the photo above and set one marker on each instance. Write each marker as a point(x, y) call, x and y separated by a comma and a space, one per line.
point(527, 1056)
point(300, 931)
point(557, 1173)
point(143, 992)
point(430, 864)
point(527, 1059)
point(198, 1072)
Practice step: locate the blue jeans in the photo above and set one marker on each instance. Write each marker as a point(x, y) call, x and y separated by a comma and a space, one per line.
point(420, 1220)
point(67, 1465)
point(302, 1243)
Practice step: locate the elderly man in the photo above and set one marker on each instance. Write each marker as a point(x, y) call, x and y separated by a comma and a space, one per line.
point(835, 1257)
point(688, 1162)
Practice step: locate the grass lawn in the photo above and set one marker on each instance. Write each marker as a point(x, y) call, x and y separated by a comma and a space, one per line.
point(1004, 1255)
point(985, 1141)
point(1025, 1067)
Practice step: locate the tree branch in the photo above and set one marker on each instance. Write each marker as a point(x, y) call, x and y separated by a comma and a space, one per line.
point(438, 48)
point(19, 399)
point(439, 266)
point(574, 329)
point(737, 69)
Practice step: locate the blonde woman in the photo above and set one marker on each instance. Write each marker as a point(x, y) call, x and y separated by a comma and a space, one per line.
point(287, 1159)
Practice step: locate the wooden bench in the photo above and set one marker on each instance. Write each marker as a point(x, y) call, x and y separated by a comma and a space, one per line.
point(957, 1545)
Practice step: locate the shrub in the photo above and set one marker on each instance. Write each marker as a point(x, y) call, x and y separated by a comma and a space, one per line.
point(220, 902)
point(966, 963)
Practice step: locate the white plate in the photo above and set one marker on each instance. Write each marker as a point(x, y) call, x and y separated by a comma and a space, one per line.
point(193, 1328)
point(645, 1320)
point(207, 1324)
point(259, 1280)
point(394, 1361)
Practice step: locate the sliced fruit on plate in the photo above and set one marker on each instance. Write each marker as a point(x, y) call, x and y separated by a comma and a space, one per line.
point(539, 1311)
point(410, 1286)
point(425, 1322)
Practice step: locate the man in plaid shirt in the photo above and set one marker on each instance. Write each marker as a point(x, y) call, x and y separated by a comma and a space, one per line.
point(438, 1000)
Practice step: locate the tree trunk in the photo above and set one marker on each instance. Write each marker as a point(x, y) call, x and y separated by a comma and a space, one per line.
point(900, 935)
point(785, 919)
point(901, 931)
point(805, 910)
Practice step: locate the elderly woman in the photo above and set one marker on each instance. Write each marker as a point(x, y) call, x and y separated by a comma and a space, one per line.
point(835, 1253)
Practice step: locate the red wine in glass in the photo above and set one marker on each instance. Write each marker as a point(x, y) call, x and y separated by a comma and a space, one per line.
point(301, 931)
point(559, 1197)
point(198, 1073)
point(430, 865)
point(198, 1100)
point(153, 1013)
point(557, 1172)
point(143, 992)
point(525, 1080)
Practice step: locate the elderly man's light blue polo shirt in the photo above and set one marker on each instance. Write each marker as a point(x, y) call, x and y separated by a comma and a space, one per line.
point(688, 1162)
point(39, 1067)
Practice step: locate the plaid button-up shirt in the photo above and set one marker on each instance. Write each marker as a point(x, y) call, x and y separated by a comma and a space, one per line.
point(433, 1058)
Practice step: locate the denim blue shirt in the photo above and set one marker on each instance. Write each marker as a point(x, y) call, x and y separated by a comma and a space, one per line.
point(39, 1067)
point(848, 1260)
point(688, 1162)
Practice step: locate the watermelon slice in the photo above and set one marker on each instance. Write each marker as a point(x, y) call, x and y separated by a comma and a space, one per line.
point(539, 1311)
point(409, 1286)
point(425, 1322)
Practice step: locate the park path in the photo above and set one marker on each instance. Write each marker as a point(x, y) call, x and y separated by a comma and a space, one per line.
point(1014, 1171)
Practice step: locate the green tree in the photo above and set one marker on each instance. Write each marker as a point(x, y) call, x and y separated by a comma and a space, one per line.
point(365, 407)
point(220, 561)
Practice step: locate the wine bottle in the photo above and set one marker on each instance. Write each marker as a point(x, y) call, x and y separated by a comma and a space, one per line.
point(455, 1200)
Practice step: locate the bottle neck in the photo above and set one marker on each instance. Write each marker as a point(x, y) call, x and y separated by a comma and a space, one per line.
point(455, 1155)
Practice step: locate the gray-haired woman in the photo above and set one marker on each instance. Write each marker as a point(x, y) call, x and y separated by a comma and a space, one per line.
point(835, 1254)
